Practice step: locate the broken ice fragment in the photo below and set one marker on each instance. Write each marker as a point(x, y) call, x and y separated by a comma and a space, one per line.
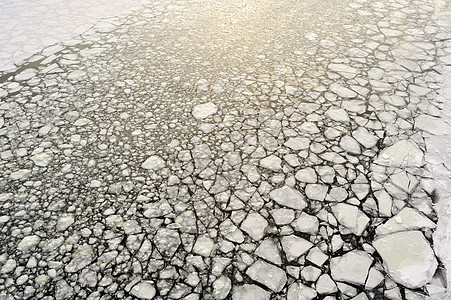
point(297, 143)
point(25, 75)
point(407, 219)
point(42, 159)
point(298, 291)
point(310, 273)
point(365, 138)
point(307, 175)
point(289, 197)
point(80, 259)
point(360, 190)
point(350, 145)
point(75, 75)
point(325, 285)
point(64, 222)
point(254, 225)
point(82, 122)
point(282, 216)
point(203, 111)
point(202, 85)
point(268, 275)
point(294, 246)
point(337, 194)
point(317, 256)
point(114, 221)
point(338, 114)
point(316, 191)
point(408, 258)
point(222, 287)
point(385, 203)
point(291, 90)
point(342, 91)
point(8, 266)
point(352, 267)
point(250, 291)
point(204, 246)
point(306, 223)
point(28, 243)
point(153, 163)
point(268, 250)
point(351, 217)
point(344, 70)
point(374, 279)
point(167, 241)
point(402, 154)
point(231, 232)
point(272, 163)
point(309, 127)
point(404, 181)
point(144, 290)
point(418, 90)
point(20, 174)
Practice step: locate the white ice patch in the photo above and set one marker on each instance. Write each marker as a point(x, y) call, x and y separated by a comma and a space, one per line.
point(433, 125)
point(439, 151)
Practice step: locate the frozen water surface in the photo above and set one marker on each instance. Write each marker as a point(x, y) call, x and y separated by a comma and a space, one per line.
point(225, 150)
point(30, 25)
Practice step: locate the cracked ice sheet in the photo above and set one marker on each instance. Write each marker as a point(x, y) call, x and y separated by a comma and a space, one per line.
point(166, 199)
point(30, 26)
